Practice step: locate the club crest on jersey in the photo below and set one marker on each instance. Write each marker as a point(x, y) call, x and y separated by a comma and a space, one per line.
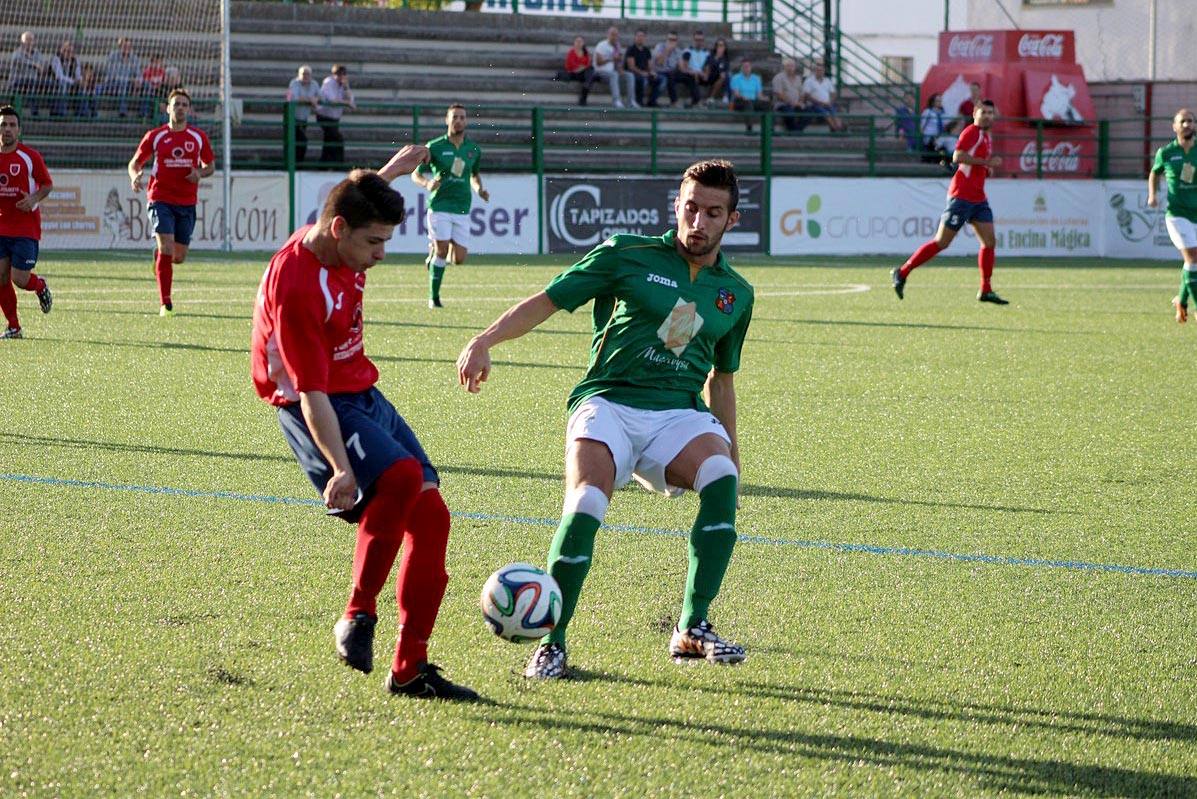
point(726, 301)
point(681, 326)
point(189, 146)
point(14, 169)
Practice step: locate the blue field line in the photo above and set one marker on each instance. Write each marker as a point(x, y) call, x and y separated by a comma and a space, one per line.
point(833, 546)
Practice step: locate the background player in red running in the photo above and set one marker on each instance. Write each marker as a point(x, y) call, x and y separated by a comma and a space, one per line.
point(966, 203)
point(182, 157)
point(24, 182)
point(308, 359)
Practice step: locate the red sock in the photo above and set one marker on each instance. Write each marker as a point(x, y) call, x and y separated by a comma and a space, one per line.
point(921, 256)
point(8, 303)
point(163, 270)
point(985, 258)
point(380, 532)
point(420, 586)
point(35, 283)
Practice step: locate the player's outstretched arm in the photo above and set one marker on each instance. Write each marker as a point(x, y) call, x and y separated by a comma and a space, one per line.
point(406, 160)
point(473, 364)
point(341, 491)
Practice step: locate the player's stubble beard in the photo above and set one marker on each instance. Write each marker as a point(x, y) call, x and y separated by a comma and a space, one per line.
point(711, 245)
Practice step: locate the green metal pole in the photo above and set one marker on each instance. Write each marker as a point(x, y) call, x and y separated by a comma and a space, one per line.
point(515, 6)
point(538, 165)
point(767, 170)
point(1039, 149)
point(725, 2)
point(289, 160)
point(652, 143)
point(947, 8)
point(1103, 149)
point(872, 152)
point(415, 124)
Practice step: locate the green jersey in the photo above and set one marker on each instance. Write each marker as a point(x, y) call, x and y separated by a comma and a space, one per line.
point(656, 333)
point(1180, 171)
point(454, 166)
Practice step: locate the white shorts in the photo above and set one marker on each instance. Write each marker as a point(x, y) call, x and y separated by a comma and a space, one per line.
point(642, 442)
point(1182, 232)
point(444, 226)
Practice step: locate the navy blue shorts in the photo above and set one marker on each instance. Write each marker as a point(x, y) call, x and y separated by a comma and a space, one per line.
point(375, 437)
point(20, 251)
point(173, 220)
point(960, 212)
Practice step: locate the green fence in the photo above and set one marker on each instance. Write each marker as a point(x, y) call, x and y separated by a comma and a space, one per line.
point(591, 139)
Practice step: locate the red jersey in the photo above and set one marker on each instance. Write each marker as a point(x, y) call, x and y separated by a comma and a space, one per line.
point(307, 332)
point(22, 172)
point(175, 154)
point(969, 181)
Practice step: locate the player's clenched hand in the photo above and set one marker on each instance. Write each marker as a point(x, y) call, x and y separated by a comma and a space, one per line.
point(473, 366)
point(995, 162)
point(136, 183)
point(484, 194)
point(341, 491)
point(194, 175)
point(25, 203)
point(1152, 201)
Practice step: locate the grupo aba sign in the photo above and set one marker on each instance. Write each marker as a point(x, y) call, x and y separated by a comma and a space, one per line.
point(895, 216)
point(581, 212)
point(506, 224)
point(89, 210)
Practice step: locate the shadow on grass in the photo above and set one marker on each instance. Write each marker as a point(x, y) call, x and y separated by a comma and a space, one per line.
point(839, 496)
point(180, 345)
point(994, 771)
point(485, 471)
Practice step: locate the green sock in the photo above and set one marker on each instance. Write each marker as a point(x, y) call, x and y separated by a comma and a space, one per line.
point(711, 541)
point(569, 561)
point(1188, 287)
point(435, 275)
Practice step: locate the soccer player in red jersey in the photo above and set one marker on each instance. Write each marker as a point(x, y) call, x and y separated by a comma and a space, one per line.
point(966, 203)
point(182, 157)
point(308, 360)
point(24, 182)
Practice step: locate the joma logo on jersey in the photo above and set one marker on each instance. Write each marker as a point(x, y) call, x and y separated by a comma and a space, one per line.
point(664, 281)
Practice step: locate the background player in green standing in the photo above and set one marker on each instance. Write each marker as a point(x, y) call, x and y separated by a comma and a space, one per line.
point(658, 401)
point(1177, 160)
point(449, 175)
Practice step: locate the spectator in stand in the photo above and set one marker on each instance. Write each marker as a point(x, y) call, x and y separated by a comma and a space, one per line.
point(974, 100)
point(122, 74)
point(27, 72)
point(609, 66)
point(639, 64)
point(717, 71)
point(152, 78)
point(935, 128)
point(819, 91)
point(68, 74)
point(577, 67)
point(746, 92)
point(787, 96)
point(906, 124)
point(666, 57)
point(335, 97)
point(305, 94)
point(692, 70)
point(89, 90)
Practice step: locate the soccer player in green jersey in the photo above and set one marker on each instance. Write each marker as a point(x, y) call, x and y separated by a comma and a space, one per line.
point(658, 401)
point(449, 175)
point(1177, 160)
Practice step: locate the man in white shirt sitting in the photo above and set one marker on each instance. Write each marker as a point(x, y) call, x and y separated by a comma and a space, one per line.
point(819, 91)
point(608, 66)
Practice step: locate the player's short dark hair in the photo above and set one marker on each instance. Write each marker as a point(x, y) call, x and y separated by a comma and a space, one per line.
point(9, 111)
point(362, 199)
point(177, 92)
point(716, 173)
point(449, 110)
point(988, 103)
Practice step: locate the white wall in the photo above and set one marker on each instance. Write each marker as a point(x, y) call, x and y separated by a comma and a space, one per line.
point(1111, 40)
point(902, 28)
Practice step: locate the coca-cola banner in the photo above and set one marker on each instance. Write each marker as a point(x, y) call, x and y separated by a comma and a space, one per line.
point(1007, 46)
point(894, 216)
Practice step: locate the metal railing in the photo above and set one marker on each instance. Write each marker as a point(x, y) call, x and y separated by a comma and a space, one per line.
point(592, 139)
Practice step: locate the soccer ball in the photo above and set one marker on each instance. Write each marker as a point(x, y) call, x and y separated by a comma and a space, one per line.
point(521, 602)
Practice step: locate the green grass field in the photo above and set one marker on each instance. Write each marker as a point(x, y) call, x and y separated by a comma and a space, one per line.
point(179, 643)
